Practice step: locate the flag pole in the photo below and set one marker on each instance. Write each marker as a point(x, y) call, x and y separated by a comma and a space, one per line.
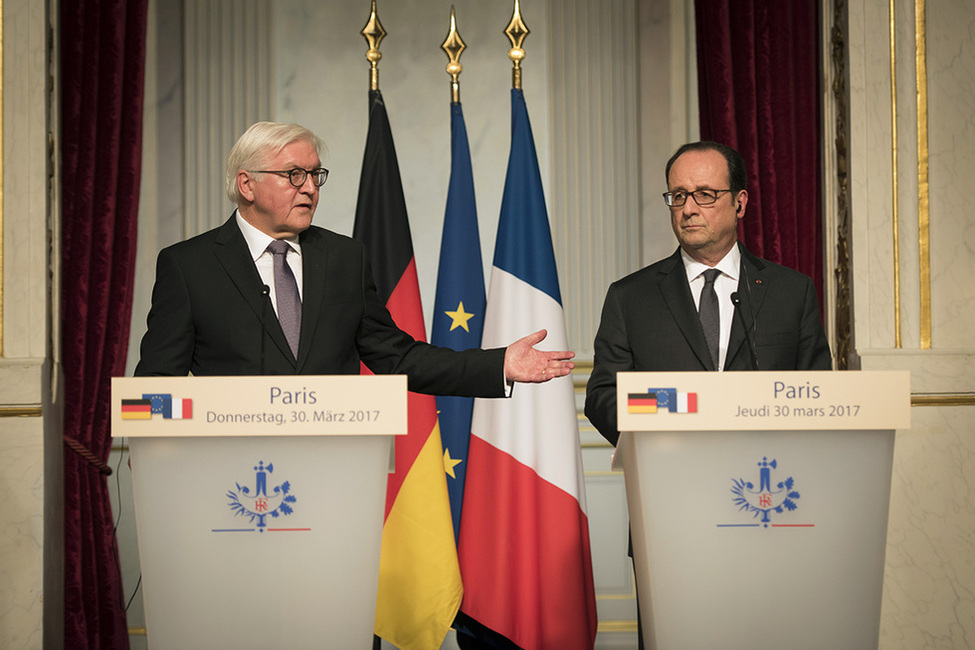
point(516, 31)
point(374, 33)
point(454, 46)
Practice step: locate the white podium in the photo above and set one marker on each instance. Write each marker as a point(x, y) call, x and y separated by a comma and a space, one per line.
point(259, 505)
point(758, 504)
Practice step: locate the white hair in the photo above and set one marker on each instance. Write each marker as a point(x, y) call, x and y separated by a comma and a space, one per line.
point(261, 142)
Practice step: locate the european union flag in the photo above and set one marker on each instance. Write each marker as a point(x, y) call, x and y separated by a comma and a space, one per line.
point(666, 398)
point(458, 314)
point(159, 401)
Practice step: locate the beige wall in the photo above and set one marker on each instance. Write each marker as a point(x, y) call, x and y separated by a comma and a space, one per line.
point(929, 589)
point(30, 446)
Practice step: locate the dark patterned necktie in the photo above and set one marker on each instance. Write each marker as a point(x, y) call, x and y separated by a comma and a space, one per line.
point(286, 294)
point(708, 311)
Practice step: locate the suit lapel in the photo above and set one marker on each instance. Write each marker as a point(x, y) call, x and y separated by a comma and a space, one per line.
point(677, 296)
point(752, 287)
point(757, 280)
point(736, 340)
point(232, 253)
point(313, 260)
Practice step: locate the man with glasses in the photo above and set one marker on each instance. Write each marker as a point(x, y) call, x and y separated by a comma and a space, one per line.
point(267, 293)
point(711, 305)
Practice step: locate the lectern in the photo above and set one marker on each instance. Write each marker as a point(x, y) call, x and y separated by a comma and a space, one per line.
point(259, 505)
point(758, 504)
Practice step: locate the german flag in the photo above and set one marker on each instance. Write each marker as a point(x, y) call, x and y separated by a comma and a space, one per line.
point(136, 409)
point(641, 403)
point(419, 576)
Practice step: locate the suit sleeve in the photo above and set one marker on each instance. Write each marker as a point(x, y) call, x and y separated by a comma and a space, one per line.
point(814, 351)
point(167, 347)
point(612, 354)
point(386, 349)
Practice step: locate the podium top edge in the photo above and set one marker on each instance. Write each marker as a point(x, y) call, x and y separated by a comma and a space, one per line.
point(768, 400)
point(279, 405)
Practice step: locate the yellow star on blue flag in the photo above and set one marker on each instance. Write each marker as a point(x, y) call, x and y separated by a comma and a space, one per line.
point(450, 463)
point(460, 318)
point(460, 282)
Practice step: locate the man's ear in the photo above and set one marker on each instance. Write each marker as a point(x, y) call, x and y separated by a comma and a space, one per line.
point(245, 186)
point(742, 202)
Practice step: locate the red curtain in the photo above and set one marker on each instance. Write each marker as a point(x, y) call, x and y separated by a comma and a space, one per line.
point(759, 81)
point(102, 74)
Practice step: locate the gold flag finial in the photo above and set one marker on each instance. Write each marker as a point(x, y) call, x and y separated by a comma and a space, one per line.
point(373, 32)
point(516, 31)
point(454, 47)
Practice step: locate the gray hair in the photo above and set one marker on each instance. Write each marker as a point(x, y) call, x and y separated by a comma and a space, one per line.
point(737, 176)
point(261, 142)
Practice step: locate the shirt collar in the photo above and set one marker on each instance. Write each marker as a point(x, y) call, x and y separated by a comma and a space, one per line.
point(729, 264)
point(257, 241)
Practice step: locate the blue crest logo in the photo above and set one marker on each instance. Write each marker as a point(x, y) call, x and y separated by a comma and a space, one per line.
point(767, 498)
point(261, 501)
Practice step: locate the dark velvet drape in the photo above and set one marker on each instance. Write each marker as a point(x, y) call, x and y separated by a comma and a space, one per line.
point(102, 74)
point(758, 81)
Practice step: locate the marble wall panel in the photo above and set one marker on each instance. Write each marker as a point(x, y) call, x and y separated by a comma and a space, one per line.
point(929, 594)
point(947, 95)
point(26, 334)
point(321, 80)
point(871, 203)
point(25, 179)
point(951, 134)
point(21, 532)
point(929, 582)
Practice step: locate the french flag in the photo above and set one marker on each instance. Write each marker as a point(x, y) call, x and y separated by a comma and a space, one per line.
point(524, 538)
point(178, 409)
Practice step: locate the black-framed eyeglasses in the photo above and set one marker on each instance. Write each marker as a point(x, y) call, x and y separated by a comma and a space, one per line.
point(298, 175)
point(701, 197)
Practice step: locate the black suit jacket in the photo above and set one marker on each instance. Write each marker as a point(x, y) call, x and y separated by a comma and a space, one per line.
point(649, 323)
point(211, 315)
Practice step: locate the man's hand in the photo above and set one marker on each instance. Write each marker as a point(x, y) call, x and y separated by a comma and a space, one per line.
point(522, 362)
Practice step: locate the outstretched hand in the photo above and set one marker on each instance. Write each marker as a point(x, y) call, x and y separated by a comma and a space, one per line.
point(522, 362)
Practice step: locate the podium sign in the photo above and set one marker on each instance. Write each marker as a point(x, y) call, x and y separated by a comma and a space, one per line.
point(259, 505)
point(758, 504)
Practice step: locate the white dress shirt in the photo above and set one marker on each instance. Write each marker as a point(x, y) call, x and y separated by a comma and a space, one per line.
point(724, 285)
point(257, 243)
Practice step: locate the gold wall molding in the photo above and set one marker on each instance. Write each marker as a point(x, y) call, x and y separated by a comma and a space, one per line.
point(895, 219)
point(615, 626)
point(923, 216)
point(21, 411)
point(943, 399)
point(923, 187)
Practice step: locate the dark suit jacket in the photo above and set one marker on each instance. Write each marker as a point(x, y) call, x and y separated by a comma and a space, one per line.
point(210, 315)
point(649, 323)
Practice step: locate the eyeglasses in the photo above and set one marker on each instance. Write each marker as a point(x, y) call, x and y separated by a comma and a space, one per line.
point(298, 175)
point(701, 197)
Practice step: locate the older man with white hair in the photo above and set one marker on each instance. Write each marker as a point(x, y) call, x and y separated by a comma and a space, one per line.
point(269, 293)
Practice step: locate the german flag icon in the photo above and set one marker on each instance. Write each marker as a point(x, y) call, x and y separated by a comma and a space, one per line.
point(641, 403)
point(136, 409)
